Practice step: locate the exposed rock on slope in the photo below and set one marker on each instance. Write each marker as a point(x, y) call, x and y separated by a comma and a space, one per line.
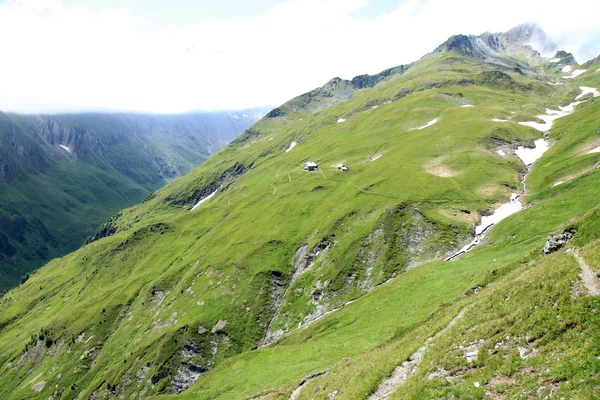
point(526, 40)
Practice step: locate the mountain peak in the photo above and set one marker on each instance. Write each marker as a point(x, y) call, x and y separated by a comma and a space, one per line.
point(533, 35)
point(527, 40)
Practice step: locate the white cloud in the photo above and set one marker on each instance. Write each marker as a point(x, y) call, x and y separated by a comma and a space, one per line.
point(58, 58)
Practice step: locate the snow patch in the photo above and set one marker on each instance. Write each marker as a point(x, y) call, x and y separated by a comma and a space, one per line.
point(554, 60)
point(487, 221)
point(529, 155)
point(210, 196)
point(467, 105)
point(501, 153)
point(292, 145)
point(596, 150)
point(574, 74)
point(585, 90)
point(558, 183)
point(502, 212)
point(566, 68)
point(341, 120)
point(499, 120)
point(555, 83)
point(551, 115)
point(433, 121)
point(65, 147)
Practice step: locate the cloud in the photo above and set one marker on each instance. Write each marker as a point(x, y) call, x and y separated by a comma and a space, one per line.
point(59, 58)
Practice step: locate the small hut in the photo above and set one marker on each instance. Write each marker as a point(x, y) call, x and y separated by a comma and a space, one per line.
point(310, 166)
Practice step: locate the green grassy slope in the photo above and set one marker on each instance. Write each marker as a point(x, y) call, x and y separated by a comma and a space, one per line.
point(52, 199)
point(167, 296)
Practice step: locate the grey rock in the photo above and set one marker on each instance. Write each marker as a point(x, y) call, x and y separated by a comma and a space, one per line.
point(556, 242)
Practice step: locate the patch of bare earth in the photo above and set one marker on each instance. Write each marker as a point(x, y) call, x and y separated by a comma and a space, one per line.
point(467, 216)
point(438, 168)
point(573, 176)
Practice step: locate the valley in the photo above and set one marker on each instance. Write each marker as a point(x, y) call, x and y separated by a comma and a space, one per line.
point(62, 176)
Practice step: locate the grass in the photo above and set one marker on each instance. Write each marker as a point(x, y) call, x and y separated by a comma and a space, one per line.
point(143, 294)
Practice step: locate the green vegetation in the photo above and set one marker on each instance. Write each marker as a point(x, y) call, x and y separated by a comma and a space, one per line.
point(53, 197)
point(340, 274)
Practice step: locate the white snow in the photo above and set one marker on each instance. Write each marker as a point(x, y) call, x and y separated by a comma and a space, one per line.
point(574, 74)
point(499, 120)
point(341, 120)
point(487, 221)
point(554, 60)
point(501, 152)
point(551, 115)
point(292, 145)
point(210, 196)
point(528, 155)
point(65, 147)
point(566, 68)
point(554, 84)
point(558, 183)
point(501, 212)
point(467, 105)
point(433, 121)
point(585, 90)
point(374, 107)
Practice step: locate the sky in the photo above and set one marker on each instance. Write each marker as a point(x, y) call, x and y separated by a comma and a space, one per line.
point(177, 56)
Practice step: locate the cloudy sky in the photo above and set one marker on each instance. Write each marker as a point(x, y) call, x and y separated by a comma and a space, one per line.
point(175, 56)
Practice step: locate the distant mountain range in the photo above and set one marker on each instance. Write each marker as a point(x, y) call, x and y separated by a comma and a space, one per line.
point(61, 176)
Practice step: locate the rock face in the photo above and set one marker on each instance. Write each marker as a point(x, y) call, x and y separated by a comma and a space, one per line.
point(565, 58)
point(533, 35)
point(527, 40)
point(334, 91)
point(556, 242)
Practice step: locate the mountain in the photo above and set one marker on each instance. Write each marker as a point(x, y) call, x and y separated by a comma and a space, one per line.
point(444, 261)
point(61, 176)
point(520, 46)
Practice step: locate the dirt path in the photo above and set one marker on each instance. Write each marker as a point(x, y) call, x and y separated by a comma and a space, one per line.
point(588, 276)
point(408, 368)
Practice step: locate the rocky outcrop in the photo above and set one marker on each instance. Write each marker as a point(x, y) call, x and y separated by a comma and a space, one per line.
point(334, 91)
point(532, 35)
point(526, 40)
point(564, 57)
point(556, 242)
